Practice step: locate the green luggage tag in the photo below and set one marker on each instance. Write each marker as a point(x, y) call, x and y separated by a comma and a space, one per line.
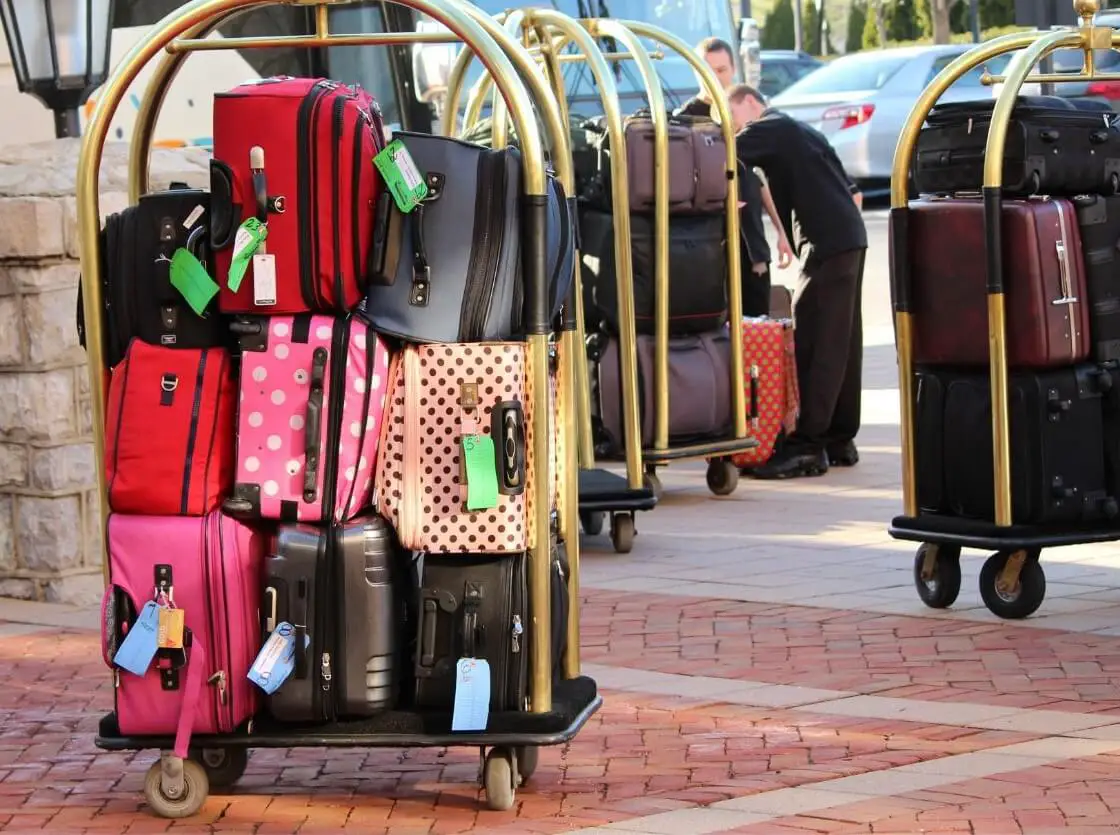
point(190, 278)
point(250, 235)
point(480, 466)
point(400, 173)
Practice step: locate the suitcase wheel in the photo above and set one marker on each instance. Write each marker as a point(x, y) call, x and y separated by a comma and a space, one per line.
point(499, 778)
point(937, 574)
point(1012, 583)
point(175, 788)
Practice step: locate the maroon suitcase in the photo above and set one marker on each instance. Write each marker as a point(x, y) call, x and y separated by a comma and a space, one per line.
point(1043, 274)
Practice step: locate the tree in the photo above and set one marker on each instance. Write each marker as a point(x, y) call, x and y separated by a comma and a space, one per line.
point(857, 20)
point(777, 31)
point(811, 28)
point(903, 21)
point(939, 15)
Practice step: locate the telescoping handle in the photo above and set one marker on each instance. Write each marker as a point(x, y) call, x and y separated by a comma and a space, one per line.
point(313, 424)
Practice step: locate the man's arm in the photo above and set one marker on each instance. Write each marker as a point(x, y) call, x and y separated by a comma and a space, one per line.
point(785, 251)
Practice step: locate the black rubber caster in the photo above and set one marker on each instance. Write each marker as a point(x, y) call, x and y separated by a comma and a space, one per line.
point(591, 521)
point(223, 766)
point(654, 483)
point(498, 779)
point(723, 477)
point(527, 758)
point(938, 586)
point(622, 532)
point(1013, 599)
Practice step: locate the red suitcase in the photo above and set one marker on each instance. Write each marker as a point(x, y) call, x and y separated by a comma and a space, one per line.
point(773, 399)
point(1043, 275)
point(170, 430)
point(319, 139)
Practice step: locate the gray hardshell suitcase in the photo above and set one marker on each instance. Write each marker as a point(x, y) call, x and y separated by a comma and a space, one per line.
point(339, 590)
point(451, 269)
point(699, 388)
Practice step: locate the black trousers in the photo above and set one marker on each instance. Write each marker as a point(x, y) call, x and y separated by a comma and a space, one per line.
point(756, 290)
point(829, 339)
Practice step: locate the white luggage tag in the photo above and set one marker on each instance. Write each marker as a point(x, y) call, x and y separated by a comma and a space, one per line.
point(277, 659)
point(471, 710)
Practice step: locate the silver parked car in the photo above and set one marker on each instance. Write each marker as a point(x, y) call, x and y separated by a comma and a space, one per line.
point(861, 101)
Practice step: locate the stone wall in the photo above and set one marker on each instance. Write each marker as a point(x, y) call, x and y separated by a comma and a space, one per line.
point(50, 527)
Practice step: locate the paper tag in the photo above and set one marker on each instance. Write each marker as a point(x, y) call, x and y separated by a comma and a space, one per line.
point(193, 217)
point(472, 695)
point(250, 235)
point(406, 183)
point(190, 278)
point(169, 634)
point(264, 280)
point(139, 647)
point(277, 658)
point(480, 466)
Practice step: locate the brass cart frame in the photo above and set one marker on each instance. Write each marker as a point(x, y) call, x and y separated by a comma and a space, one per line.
point(1012, 583)
point(514, 736)
point(722, 475)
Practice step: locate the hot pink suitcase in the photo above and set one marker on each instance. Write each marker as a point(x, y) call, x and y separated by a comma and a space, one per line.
point(438, 394)
point(294, 416)
point(210, 567)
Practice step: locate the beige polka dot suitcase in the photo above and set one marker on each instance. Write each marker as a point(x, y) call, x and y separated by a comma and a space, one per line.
point(312, 393)
point(439, 395)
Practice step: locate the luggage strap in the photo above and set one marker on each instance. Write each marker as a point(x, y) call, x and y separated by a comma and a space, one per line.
point(196, 667)
point(421, 272)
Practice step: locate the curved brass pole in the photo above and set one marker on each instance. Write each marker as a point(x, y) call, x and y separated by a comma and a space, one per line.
point(151, 103)
point(499, 118)
point(900, 195)
point(734, 255)
point(627, 336)
point(1017, 72)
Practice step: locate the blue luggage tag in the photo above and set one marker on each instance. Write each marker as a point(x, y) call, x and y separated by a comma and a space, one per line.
point(140, 644)
point(277, 658)
point(472, 695)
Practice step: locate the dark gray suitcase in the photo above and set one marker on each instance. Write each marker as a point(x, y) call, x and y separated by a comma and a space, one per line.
point(451, 270)
point(1098, 219)
point(341, 590)
point(699, 388)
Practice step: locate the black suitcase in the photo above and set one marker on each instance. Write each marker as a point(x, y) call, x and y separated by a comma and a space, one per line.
point(137, 295)
point(697, 271)
point(1058, 472)
point(1099, 221)
point(1052, 148)
point(342, 589)
point(477, 606)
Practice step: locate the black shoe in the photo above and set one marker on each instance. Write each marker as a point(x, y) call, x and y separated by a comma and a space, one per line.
point(792, 464)
point(843, 454)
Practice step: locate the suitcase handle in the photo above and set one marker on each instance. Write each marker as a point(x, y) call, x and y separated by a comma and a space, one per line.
point(428, 634)
point(1067, 284)
point(300, 671)
point(507, 428)
point(754, 394)
point(312, 424)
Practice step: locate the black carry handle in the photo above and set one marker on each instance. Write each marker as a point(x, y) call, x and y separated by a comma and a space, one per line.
point(507, 428)
point(427, 654)
point(421, 272)
point(301, 629)
point(380, 271)
point(225, 214)
point(313, 423)
point(754, 392)
point(472, 602)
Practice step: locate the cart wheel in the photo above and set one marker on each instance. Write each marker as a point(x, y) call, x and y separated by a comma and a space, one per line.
point(622, 532)
point(723, 477)
point(527, 758)
point(1008, 598)
point(497, 779)
point(939, 588)
point(1114, 182)
point(223, 766)
point(654, 483)
point(592, 522)
point(193, 794)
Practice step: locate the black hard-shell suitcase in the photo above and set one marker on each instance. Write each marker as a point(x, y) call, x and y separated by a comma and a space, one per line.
point(474, 606)
point(1058, 472)
point(697, 271)
point(342, 589)
point(137, 246)
point(1053, 147)
point(1099, 221)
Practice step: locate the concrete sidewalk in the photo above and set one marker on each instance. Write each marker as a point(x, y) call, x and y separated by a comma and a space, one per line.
point(768, 668)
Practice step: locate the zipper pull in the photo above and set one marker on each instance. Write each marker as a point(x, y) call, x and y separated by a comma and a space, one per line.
point(559, 568)
point(219, 678)
point(326, 671)
point(517, 630)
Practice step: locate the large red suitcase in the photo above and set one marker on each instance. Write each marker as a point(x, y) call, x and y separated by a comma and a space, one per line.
point(170, 430)
point(1043, 278)
point(319, 139)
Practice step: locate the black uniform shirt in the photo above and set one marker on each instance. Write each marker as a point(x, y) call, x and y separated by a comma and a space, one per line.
point(811, 191)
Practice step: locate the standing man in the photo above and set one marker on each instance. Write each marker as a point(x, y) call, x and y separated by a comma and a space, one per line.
point(819, 207)
point(753, 193)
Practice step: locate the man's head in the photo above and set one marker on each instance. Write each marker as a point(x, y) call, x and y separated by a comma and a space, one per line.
point(746, 104)
point(720, 58)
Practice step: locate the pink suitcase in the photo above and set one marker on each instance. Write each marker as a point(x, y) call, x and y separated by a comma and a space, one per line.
point(210, 567)
point(438, 394)
point(293, 416)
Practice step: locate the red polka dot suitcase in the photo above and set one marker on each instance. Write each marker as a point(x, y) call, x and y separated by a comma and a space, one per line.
point(312, 394)
point(440, 394)
point(772, 394)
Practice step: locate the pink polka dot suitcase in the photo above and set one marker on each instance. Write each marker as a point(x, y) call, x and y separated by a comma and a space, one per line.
point(312, 394)
point(438, 395)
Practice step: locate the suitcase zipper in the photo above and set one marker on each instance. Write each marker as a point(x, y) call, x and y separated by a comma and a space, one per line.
point(340, 340)
point(482, 271)
point(336, 178)
point(410, 503)
point(1067, 298)
point(363, 125)
point(192, 434)
point(304, 120)
point(208, 563)
point(224, 661)
point(370, 352)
